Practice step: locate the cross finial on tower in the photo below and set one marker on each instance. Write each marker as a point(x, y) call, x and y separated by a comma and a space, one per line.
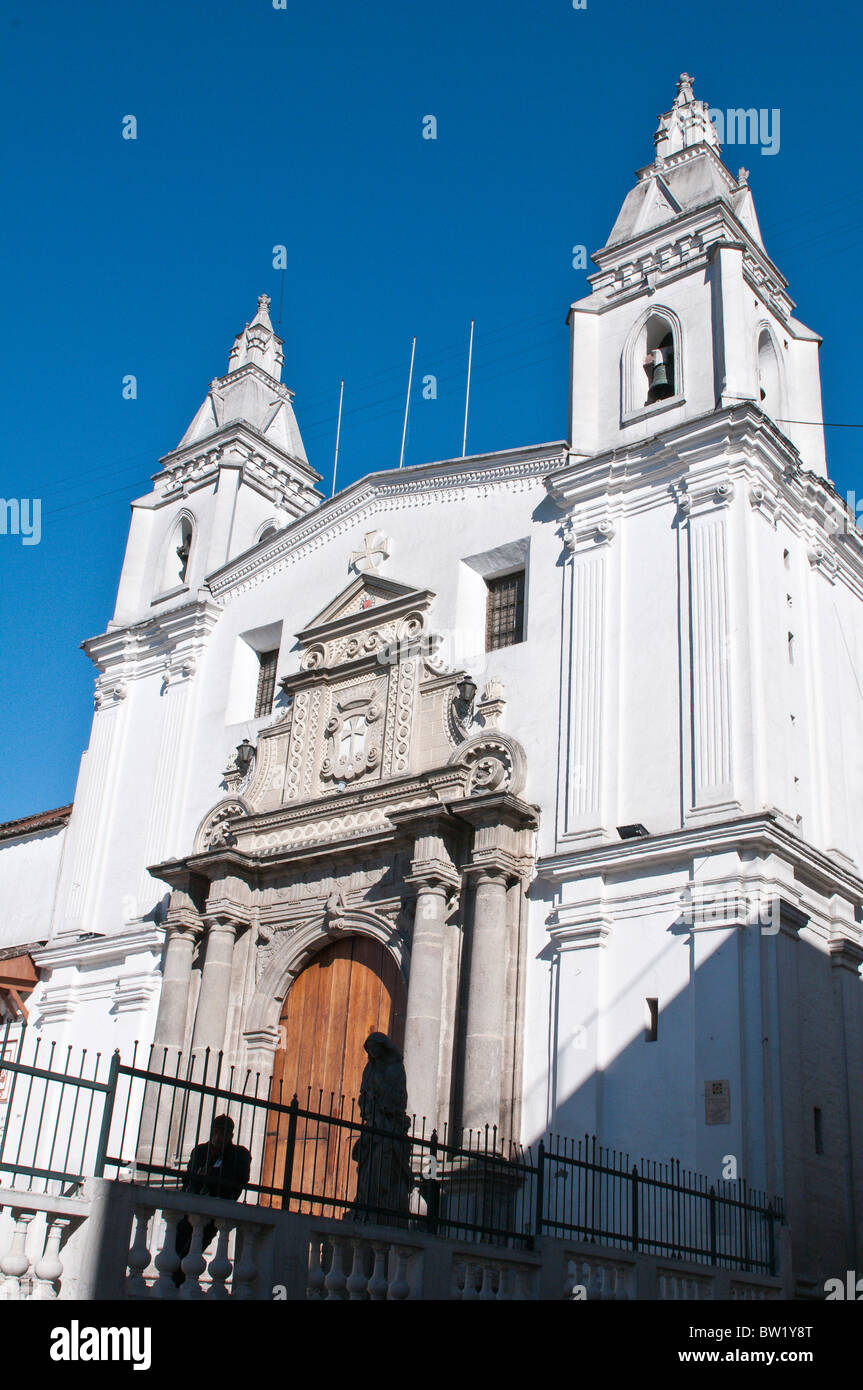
point(263, 314)
point(258, 343)
point(687, 123)
point(684, 89)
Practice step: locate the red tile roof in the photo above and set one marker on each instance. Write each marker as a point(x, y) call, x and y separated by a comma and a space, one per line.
point(29, 825)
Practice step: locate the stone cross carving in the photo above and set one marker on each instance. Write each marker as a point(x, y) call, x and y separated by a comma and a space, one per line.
point(377, 549)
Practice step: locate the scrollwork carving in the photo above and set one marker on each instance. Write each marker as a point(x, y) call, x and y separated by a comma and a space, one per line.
point(215, 830)
point(494, 762)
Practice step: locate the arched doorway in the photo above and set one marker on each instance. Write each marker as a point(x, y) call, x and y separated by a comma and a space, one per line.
point(351, 988)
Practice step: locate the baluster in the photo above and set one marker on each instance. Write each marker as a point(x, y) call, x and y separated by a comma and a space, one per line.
point(139, 1256)
point(49, 1269)
point(335, 1281)
point(506, 1280)
point(459, 1279)
point(194, 1264)
point(470, 1280)
point(378, 1283)
point(245, 1264)
point(315, 1280)
point(16, 1262)
point(486, 1291)
point(357, 1281)
point(220, 1266)
point(167, 1261)
point(523, 1291)
point(399, 1287)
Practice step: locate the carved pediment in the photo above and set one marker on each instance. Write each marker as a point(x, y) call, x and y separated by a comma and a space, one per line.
point(372, 617)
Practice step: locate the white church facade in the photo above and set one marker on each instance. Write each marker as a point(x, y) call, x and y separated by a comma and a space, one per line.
point(547, 762)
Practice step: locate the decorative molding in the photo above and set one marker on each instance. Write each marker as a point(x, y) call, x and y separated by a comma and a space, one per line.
point(449, 482)
point(214, 832)
point(578, 926)
point(764, 502)
point(492, 703)
point(822, 559)
point(496, 763)
point(761, 835)
point(590, 534)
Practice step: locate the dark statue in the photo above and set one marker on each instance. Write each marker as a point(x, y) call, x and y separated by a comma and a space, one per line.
point(382, 1151)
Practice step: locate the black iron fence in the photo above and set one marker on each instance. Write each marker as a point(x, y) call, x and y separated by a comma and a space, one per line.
point(150, 1120)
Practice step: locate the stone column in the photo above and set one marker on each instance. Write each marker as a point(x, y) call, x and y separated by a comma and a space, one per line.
point(176, 976)
point(428, 1034)
point(423, 1020)
point(212, 1013)
point(169, 1038)
point(484, 1046)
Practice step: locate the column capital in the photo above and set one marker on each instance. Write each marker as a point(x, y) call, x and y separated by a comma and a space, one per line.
point(183, 923)
point(845, 951)
point(434, 876)
point(225, 919)
point(577, 926)
point(488, 866)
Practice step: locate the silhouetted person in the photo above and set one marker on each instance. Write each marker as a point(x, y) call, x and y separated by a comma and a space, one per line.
point(216, 1168)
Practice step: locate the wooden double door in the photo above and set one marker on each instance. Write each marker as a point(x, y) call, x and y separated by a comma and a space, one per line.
point(351, 988)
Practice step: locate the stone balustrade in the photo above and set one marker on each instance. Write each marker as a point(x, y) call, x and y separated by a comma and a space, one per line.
point(227, 1254)
point(33, 1235)
point(486, 1280)
point(354, 1267)
point(118, 1240)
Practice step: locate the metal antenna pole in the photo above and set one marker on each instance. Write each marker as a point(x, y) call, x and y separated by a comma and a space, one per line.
point(407, 402)
point(338, 435)
point(467, 390)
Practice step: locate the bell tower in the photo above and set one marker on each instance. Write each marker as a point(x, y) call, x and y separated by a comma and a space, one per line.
point(239, 470)
point(688, 314)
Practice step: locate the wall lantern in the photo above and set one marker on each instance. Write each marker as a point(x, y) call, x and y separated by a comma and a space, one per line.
point(245, 756)
point(466, 692)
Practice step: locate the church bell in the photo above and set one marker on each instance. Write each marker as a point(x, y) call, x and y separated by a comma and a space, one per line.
point(660, 386)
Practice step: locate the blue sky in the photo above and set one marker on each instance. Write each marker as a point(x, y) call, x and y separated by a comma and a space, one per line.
point(302, 127)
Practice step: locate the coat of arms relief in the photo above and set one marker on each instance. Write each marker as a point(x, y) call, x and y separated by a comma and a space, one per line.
point(353, 734)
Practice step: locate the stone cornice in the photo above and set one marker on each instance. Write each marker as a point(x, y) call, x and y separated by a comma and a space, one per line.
point(208, 452)
point(762, 834)
point(657, 252)
point(712, 439)
point(167, 643)
point(450, 481)
point(98, 950)
point(705, 459)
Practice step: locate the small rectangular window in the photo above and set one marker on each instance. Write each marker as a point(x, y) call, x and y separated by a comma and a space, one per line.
point(504, 624)
point(266, 682)
point(651, 1032)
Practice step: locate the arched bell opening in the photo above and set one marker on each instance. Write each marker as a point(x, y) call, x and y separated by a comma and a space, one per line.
point(659, 362)
point(651, 364)
point(769, 376)
point(178, 550)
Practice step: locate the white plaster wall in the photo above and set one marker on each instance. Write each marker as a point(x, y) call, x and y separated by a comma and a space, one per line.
point(29, 869)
